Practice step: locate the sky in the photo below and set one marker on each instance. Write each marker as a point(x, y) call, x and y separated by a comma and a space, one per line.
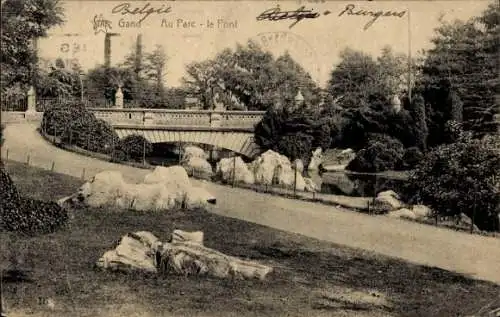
point(314, 43)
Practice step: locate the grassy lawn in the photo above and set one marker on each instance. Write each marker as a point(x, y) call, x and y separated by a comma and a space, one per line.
point(312, 278)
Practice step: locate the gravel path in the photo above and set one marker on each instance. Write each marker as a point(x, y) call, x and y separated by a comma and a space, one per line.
point(475, 255)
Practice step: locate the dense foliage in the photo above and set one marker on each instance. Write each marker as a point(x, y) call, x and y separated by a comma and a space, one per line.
point(249, 78)
point(464, 60)
point(134, 147)
point(22, 22)
point(461, 177)
point(382, 153)
point(25, 215)
point(292, 132)
point(73, 124)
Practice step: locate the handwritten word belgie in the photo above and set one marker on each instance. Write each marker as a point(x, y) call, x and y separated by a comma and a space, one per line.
point(350, 10)
point(275, 14)
point(144, 11)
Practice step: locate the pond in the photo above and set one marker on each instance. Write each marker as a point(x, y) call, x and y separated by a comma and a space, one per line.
point(354, 184)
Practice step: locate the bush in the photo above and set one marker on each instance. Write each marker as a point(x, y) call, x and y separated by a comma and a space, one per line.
point(383, 153)
point(296, 146)
point(25, 215)
point(411, 157)
point(75, 125)
point(460, 178)
point(132, 147)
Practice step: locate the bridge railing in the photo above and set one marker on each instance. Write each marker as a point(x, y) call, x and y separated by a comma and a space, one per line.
point(167, 117)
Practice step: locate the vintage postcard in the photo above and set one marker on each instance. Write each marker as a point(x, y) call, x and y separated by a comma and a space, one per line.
point(249, 158)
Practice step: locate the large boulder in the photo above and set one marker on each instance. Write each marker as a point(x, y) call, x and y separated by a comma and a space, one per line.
point(316, 159)
point(403, 213)
point(159, 193)
point(135, 252)
point(387, 201)
point(273, 168)
point(174, 177)
point(191, 151)
point(199, 167)
point(422, 211)
point(226, 169)
point(185, 254)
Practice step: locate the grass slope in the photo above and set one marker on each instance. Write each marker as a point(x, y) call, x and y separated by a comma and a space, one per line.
point(309, 277)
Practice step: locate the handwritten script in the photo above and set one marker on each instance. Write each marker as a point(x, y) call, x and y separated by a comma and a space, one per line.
point(144, 11)
point(275, 14)
point(350, 9)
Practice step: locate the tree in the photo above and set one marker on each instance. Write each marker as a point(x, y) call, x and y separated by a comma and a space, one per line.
point(461, 177)
point(22, 23)
point(249, 78)
point(419, 118)
point(58, 81)
point(155, 66)
point(465, 55)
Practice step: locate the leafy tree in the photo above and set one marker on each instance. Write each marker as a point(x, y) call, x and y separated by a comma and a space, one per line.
point(155, 66)
point(249, 78)
point(465, 55)
point(359, 80)
point(22, 23)
point(58, 81)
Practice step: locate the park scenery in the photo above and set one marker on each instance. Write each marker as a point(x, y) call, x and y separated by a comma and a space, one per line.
point(256, 182)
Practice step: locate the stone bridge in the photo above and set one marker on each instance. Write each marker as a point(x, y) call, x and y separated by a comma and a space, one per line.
point(232, 130)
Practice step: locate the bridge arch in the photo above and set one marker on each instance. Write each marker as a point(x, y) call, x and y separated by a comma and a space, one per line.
point(241, 142)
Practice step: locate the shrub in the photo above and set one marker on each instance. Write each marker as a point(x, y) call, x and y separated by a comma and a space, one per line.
point(296, 146)
point(383, 153)
point(411, 157)
point(132, 147)
point(75, 125)
point(460, 178)
point(25, 215)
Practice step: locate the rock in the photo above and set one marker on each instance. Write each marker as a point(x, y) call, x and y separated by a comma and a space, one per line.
point(194, 259)
point(316, 159)
point(198, 197)
point(183, 236)
point(310, 185)
point(197, 166)
point(463, 221)
point(185, 254)
point(422, 211)
point(387, 201)
point(167, 189)
point(402, 213)
point(193, 151)
point(265, 165)
point(174, 177)
point(273, 168)
point(136, 251)
point(225, 169)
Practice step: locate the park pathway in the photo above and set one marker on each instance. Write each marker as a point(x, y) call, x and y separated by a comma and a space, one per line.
point(474, 255)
